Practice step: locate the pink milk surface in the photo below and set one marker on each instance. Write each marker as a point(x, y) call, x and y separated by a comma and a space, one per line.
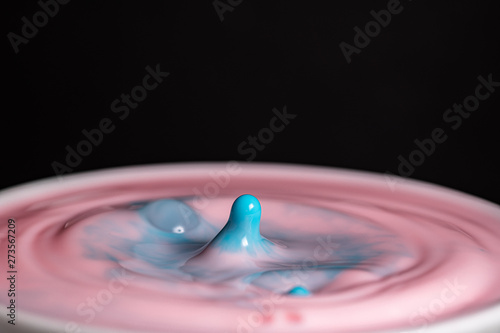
point(398, 257)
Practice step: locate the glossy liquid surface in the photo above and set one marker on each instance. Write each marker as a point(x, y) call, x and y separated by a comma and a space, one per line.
point(310, 250)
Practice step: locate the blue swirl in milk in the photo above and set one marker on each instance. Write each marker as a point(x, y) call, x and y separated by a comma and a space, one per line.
point(178, 244)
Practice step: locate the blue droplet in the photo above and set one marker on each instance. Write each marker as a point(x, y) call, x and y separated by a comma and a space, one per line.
point(242, 230)
point(241, 236)
point(299, 291)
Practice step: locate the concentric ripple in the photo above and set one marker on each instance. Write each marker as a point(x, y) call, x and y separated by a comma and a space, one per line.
point(276, 249)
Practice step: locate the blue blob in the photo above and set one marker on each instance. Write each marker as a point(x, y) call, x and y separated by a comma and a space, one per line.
point(299, 291)
point(245, 216)
point(171, 216)
point(242, 230)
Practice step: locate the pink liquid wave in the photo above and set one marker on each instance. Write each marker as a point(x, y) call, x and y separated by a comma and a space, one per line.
point(95, 252)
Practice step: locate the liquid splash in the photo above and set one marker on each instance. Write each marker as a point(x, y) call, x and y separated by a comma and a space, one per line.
point(139, 252)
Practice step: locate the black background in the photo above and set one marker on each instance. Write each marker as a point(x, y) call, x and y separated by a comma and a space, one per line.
point(227, 76)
